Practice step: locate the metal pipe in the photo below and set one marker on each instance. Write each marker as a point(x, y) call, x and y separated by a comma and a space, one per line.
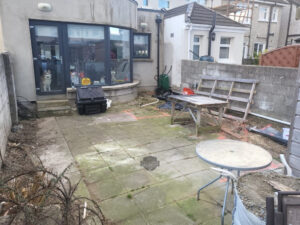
point(289, 22)
point(269, 27)
point(210, 34)
point(271, 118)
point(158, 21)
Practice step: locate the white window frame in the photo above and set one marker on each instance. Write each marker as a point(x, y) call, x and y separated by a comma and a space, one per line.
point(264, 16)
point(257, 52)
point(225, 46)
point(145, 1)
point(274, 15)
point(196, 43)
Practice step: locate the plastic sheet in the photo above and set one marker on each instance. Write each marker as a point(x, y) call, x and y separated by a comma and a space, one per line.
point(242, 216)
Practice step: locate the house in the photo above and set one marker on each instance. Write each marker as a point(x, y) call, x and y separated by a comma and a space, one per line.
point(290, 25)
point(187, 29)
point(55, 44)
point(263, 17)
point(170, 4)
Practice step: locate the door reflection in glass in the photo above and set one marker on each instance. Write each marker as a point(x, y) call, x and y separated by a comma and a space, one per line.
point(49, 58)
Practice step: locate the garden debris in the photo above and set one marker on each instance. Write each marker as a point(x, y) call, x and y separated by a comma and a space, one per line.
point(280, 137)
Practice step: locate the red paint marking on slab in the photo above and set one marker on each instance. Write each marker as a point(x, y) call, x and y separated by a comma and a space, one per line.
point(221, 136)
point(223, 180)
point(162, 114)
point(130, 114)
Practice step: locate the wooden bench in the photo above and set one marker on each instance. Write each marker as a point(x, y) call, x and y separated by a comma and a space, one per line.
point(238, 93)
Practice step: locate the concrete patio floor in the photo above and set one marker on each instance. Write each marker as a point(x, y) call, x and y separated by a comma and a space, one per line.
point(108, 149)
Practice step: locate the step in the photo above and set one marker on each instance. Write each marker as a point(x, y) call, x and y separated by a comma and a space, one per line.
point(52, 103)
point(55, 111)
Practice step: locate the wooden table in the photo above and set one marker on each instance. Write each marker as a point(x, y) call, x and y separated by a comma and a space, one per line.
point(196, 103)
point(231, 155)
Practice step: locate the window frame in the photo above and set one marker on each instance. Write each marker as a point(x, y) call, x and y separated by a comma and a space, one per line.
point(166, 1)
point(225, 46)
point(274, 12)
point(267, 13)
point(257, 52)
point(145, 3)
point(65, 49)
point(198, 43)
point(149, 45)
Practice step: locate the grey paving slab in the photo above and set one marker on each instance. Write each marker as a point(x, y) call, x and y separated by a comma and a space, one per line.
point(108, 150)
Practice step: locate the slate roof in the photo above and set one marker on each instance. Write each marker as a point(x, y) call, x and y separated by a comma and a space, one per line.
point(199, 14)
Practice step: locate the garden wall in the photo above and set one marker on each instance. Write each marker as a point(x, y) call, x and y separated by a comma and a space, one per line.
point(274, 94)
point(294, 140)
point(5, 118)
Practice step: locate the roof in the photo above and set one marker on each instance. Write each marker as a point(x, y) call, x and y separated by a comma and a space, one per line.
point(199, 14)
point(274, 1)
point(295, 2)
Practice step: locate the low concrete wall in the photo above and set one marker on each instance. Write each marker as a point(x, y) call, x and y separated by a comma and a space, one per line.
point(274, 93)
point(118, 93)
point(5, 118)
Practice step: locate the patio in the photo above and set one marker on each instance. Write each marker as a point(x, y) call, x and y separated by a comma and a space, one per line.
point(108, 150)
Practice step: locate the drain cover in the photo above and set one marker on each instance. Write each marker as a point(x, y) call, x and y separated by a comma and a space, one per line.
point(150, 163)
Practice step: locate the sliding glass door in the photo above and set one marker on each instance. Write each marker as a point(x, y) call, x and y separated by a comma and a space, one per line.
point(65, 53)
point(48, 58)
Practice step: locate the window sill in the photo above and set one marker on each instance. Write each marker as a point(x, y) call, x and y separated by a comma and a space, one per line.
point(142, 60)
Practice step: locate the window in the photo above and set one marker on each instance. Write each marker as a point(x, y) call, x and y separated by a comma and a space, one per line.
point(119, 55)
point(263, 13)
point(141, 47)
point(86, 53)
point(224, 47)
point(258, 48)
point(145, 2)
point(245, 50)
point(163, 4)
point(196, 47)
point(274, 14)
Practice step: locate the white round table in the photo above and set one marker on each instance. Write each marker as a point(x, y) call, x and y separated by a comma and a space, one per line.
point(232, 155)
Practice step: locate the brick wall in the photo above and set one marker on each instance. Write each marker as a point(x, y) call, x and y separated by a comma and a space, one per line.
point(274, 93)
point(5, 118)
point(294, 142)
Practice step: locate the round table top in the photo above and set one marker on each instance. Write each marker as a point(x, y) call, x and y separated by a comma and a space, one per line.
point(233, 155)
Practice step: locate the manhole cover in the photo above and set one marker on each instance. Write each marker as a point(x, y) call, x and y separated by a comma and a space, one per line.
point(150, 163)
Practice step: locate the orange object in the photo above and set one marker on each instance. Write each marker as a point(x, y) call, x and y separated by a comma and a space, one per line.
point(188, 91)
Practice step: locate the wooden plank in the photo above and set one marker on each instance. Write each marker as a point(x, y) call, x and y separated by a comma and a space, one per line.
point(250, 101)
point(229, 94)
point(234, 108)
point(213, 88)
point(238, 80)
point(199, 85)
point(244, 91)
point(234, 98)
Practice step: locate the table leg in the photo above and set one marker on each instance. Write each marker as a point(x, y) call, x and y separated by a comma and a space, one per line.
point(225, 199)
point(221, 112)
point(198, 120)
point(206, 185)
point(172, 112)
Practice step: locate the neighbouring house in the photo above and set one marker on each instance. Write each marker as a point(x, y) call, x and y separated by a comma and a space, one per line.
point(263, 17)
point(290, 25)
point(187, 29)
point(170, 4)
point(54, 44)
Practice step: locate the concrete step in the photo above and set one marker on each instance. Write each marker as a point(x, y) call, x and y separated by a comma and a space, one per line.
point(55, 111)
point(52, 103)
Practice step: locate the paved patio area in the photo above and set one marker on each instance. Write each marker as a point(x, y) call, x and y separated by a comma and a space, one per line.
point(108, 149)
